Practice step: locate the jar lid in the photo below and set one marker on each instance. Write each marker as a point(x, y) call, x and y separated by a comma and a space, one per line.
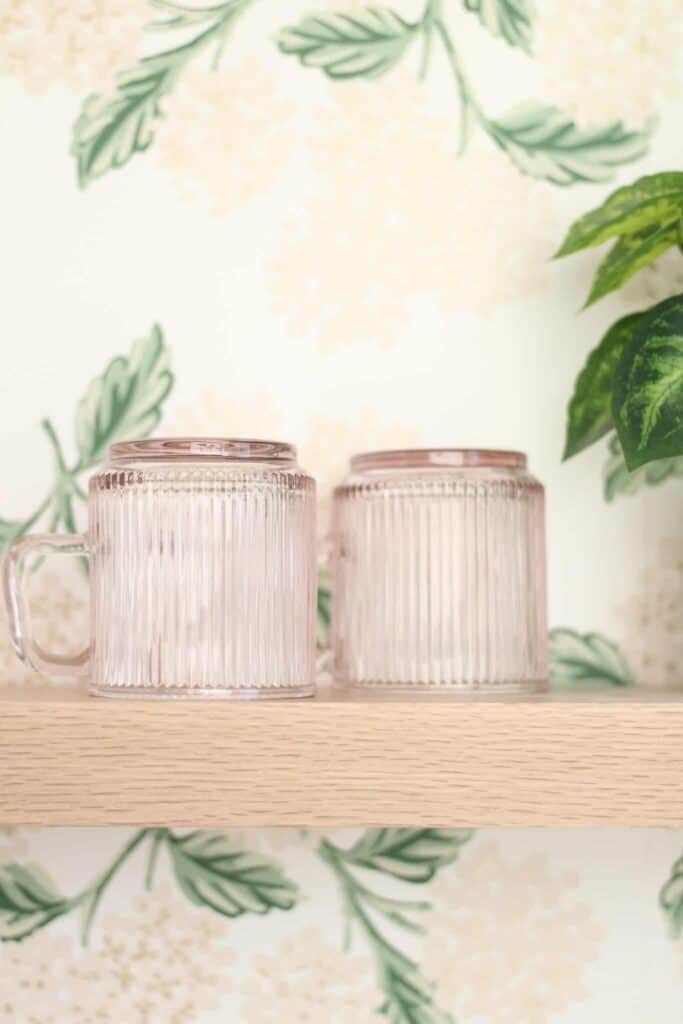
point(454, 458)
point(202, 449)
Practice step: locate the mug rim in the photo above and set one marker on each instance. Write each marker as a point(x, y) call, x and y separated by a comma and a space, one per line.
point(202, 449)
point(454, 458)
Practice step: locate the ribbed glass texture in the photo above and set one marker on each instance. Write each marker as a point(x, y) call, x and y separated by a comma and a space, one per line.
point(202, 578)
point(439, 573)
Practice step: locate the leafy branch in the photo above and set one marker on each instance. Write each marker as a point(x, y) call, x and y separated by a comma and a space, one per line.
point(540, 140)
point(112, 129)
point(125, 402)
point(209, 871)
point(412, 855)
point(632, 382)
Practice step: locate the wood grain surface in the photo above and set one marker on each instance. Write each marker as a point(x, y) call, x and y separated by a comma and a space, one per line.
point(614, 758)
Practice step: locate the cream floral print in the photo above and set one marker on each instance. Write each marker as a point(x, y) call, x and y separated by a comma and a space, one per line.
point(275, 841)
point(215, 414)
point(614, 59)
point(658, 281)
point(162, 960)
point(308, 979)
point(509, 942)
point(215, 115)
point(81, 43)
point(330, 442)
point(128, 84)
point(13, 844)
point(381, 231)
point(325, 444)
point(59, 610)
point(650, 619)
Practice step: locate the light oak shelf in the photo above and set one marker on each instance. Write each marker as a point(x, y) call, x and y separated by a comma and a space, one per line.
point(603, 758)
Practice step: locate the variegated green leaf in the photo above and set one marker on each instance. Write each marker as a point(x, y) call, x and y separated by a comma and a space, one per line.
point(629, 254)
point(648, 387)
point(650, 202)
point(364, 43)
point(671, 899)
point(545, 143)
point(586, 659)
point(126, 401)
point(112, 129)
point(213, 873)
point(589, 416)
point(618, 480)
point(413, 854)
point(511, 20)
point(28, 901)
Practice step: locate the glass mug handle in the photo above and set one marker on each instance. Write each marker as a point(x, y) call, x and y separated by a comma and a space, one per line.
point(21, 633)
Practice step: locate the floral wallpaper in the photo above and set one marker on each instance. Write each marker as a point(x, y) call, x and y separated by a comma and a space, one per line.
point(334, 224)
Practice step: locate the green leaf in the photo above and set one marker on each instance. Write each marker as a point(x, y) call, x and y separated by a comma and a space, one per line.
point(125, 402)
point(28, 901)
point(587, 658)
point(618, 480)
point(409, 996)
point(545, 143)
point(364, 44)
point(671, 899)
point(630, 254)
point(650, 202)
point(324, 607)
point(413, 854)
point(648, 386)
point(112, 129)
point(511, 20)
point(213, 873)
point(589, 416)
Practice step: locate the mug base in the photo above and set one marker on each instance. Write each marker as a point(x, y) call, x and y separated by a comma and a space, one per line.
point(525, 687)
point(200, 693)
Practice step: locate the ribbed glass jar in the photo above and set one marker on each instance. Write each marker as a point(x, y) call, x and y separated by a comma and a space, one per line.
point(438, 569)
point(203, 570)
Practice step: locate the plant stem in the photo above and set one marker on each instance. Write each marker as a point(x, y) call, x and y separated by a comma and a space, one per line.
point(426, 24)
point(159, 836)
point(354, 892)
point(225, 15)
point(468, 104)
point(93, 894)
point(56, 447)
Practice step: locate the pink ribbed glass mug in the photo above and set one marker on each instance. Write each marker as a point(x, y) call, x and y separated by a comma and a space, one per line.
point(438, 572)
point(202, 573)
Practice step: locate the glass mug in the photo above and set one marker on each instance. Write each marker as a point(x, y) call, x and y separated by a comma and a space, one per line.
point(202, 573)
point(438, 572)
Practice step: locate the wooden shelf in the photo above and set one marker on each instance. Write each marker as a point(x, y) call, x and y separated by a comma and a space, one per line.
point(603, 758)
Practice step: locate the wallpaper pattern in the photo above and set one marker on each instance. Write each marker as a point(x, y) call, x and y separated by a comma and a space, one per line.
point(335, 226)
